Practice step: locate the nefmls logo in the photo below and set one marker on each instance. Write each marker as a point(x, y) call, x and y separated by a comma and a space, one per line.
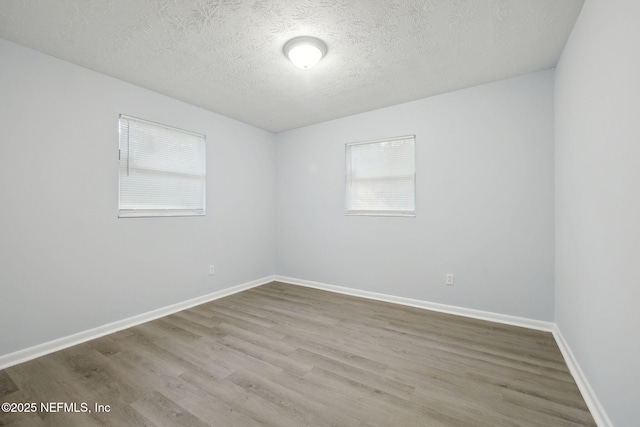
point(64, 407)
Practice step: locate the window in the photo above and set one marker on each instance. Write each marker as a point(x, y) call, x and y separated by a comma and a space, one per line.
point(162, 170)
point(381, 177)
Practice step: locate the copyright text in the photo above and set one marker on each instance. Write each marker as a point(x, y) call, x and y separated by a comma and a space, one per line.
point(52, 407)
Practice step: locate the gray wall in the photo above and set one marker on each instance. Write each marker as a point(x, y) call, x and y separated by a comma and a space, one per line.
point(598, 202)
point(67, 263)
point(484, 201)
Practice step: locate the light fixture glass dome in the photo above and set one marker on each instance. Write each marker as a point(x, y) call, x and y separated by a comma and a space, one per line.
point(305, 52)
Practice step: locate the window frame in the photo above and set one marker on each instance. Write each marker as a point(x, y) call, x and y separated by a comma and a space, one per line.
point(374, 211)
point(149, 212)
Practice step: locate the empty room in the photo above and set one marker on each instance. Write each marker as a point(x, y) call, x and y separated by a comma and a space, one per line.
point(320, 213)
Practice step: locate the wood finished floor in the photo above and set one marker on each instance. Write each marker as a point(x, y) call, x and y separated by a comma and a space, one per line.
point(283, 355)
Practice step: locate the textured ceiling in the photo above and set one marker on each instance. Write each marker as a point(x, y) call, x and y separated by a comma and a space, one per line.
point(226, 55)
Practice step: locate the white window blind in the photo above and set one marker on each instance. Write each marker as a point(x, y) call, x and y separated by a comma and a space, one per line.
point(162, 170)
point(380, 177)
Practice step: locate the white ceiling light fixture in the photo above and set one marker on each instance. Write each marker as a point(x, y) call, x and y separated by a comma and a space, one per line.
point(305, 52)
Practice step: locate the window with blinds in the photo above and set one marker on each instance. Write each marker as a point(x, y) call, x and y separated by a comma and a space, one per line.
point(380, 177)
point(162, 170)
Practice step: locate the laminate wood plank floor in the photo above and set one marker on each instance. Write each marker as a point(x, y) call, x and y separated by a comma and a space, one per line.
point(284, 355)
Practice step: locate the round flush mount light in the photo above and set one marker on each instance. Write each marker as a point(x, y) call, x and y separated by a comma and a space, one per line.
point(305, 52)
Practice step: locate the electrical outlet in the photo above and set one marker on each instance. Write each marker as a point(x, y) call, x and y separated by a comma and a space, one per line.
point(450, 278)
point(211, 270)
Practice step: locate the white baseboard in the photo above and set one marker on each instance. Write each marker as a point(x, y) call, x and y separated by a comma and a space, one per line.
point(30, 353)
point(590, 398)
point(443, 308)
point(597, 411)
